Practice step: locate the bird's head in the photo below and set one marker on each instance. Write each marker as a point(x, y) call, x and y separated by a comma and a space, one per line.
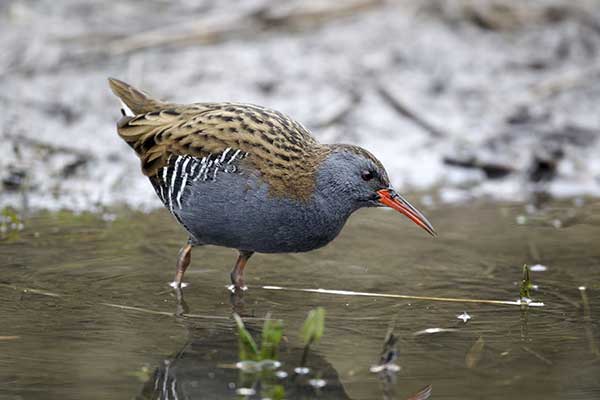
point(352, 176)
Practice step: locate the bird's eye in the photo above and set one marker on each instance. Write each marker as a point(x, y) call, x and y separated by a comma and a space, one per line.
point(366, 175)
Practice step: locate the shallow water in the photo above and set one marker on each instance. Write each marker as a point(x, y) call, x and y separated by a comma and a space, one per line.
point(73, 339)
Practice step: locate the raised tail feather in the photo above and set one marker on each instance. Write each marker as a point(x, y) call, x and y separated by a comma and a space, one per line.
point(136, 100)
point(144, 118)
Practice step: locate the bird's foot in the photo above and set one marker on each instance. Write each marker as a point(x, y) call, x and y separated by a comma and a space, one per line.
point(176, 285)
point(237, 299)
point(236, 288)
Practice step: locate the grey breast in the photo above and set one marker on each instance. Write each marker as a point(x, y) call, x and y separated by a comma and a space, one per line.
point(221, 201)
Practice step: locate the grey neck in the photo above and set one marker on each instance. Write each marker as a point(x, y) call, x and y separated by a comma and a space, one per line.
point(333, 191)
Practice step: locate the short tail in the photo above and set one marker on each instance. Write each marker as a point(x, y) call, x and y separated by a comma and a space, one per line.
point(136, 101)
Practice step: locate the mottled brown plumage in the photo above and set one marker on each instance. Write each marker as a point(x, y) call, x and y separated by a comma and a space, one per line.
point(280, 149)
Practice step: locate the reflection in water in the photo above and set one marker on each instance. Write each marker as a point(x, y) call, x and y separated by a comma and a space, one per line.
point(205, 368)
point(387, 368)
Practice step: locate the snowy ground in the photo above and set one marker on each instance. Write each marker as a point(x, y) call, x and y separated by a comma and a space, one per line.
point(458, 98)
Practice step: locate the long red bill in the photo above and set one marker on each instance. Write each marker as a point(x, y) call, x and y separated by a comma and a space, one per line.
point(390, 198)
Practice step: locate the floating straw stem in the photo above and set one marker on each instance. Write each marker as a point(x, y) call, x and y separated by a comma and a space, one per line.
point(406, 297)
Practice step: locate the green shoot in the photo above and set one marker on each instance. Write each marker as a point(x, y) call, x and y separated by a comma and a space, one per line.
point(526, 285)
point(272, 333)
point(314, 326)
point(312, 330)
point(247, 345)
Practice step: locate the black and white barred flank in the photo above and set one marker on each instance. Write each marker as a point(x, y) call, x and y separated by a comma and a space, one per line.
point(171, 181)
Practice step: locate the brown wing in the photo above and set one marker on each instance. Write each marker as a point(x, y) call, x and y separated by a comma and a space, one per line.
point(281, 149)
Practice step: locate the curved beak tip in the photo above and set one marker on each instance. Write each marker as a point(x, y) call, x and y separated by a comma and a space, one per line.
point(389, 198)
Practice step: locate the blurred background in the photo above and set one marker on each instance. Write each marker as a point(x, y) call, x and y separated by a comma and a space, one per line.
point(460, 99)
point(464, 101)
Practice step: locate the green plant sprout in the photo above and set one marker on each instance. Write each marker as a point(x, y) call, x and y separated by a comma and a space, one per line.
point(272, 333)
point(526, 285)
point(247, 346)
point(260, 362)
point(314, 326)
point(257, 364)
point(312, 330)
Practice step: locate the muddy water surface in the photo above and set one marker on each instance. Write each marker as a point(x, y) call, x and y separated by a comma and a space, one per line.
point(86, 311)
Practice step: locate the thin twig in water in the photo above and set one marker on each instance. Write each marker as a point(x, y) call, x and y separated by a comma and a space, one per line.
point(170, 314)
point(406, 297)
point(165, 313)
point(30, 290)
point(537, 355)
point(140, 309)
point(587, 317)
point(406, 112)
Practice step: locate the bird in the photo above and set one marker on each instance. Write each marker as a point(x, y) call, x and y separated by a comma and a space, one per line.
point(250, 178)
